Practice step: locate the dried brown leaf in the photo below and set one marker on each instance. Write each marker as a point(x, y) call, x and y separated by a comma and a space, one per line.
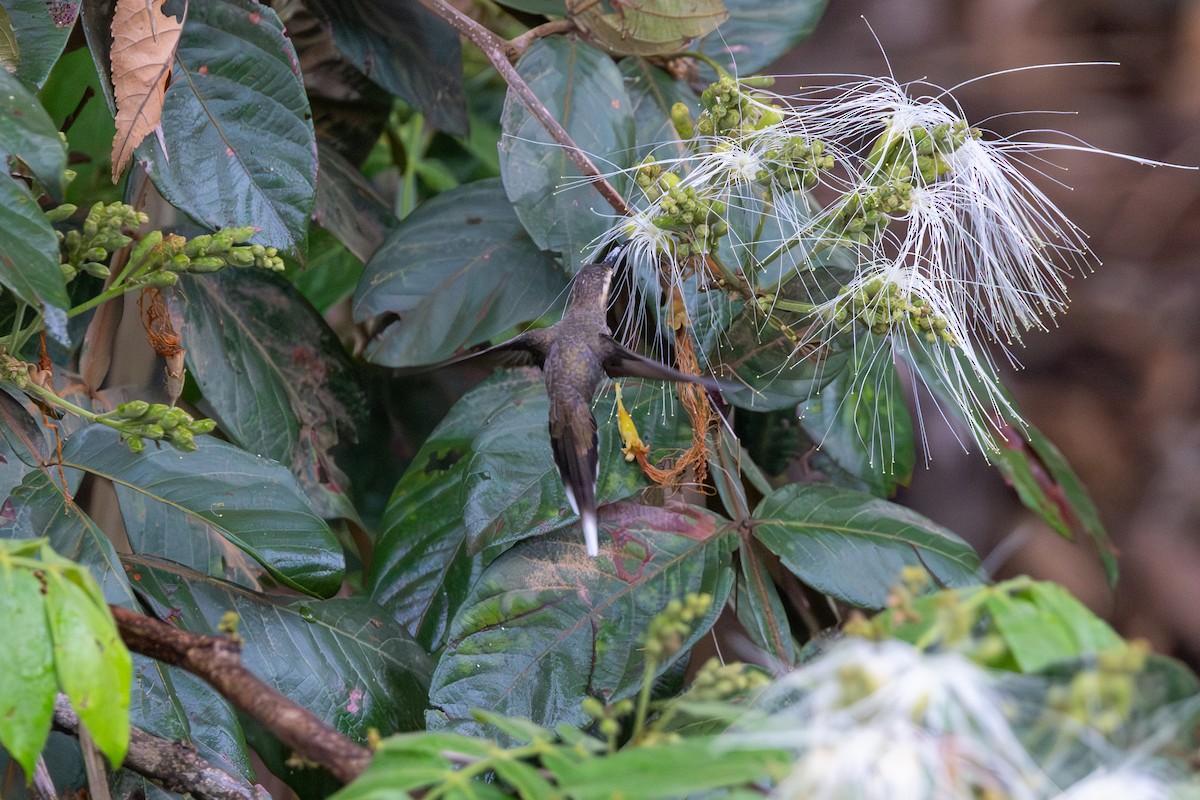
point(144, 42)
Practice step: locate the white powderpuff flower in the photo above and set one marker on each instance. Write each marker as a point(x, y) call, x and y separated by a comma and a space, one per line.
point(885, 720)
point(988, 236)
point(1123, 783)
point(921, 321)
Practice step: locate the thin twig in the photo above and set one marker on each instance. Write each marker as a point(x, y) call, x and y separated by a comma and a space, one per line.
point(173, 765)
point(496, 51)
point(517, 45)
point(218, 660)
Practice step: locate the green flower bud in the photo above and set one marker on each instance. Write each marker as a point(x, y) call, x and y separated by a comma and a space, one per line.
point(62, 212)
point(183, 439)
point(135, 443)
point(681, 119)
point(202, 426)
point(162, 279)
point(134, 409)
point(206, 264)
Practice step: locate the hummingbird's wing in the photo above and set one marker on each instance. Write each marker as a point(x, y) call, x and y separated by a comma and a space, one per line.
point(622, 363)
point(528, 348)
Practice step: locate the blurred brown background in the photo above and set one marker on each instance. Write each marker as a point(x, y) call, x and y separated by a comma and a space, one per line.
point(1117, 385)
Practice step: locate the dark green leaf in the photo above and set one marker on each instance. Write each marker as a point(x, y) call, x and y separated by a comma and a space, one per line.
point(10, 53)
point(585, 92)
point(682, 768)
point(760, 31)
point(343, 659)
point(553, 8)
point(42, 29)
point(407, 50)
point(27, 132)
point(22, 434)
point(1028, 460)
point(237, 126)
point(28, 246)
point(775, 376)
point(547, 626)
point(853, 546)
point(27, 679)
point(421, 571)
point(450, 505)
point(277, 378)
point(646, 27)
point(860, 420)
point(28, 249)
point(330, 273)
point(761, 610)
point(94, 669)
point(96, 20)
point(457, 271)
point(214, 507)
point(348, 207)
point(512, 489)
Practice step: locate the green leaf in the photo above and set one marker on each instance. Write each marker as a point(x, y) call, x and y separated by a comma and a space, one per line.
point(166, 702)
point(1043, 625)
point(646, 27)
point(329, 273)
point(547, 626)
point(94, 669)
point(28, 246)
point(860, 420)
point(682, 768)
point(760, 31)
point(512, 488)
point(452, 503)
point(421, 570)
point(27, 132)
point(276, 377)
point(212, 506)
point(407, 50)
point(42, 29)
point(451, 297)
point(343, 659)
point(582, 89)
point(10, 53)
point(553, 8)
point(348, 206)
point(853, 546)
point(27, 677)
point(1043, 479)
point(761, 610)
point(237, 126)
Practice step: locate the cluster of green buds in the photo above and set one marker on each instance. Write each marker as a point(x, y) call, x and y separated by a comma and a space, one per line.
point(1102, 696)
point(668, 629)
point(918, 155)
point(881, 305)
point(160, 258)
point(607, 718)
point(105, 230)
point(798, 164)
point(728, 110)
point(139, 420)
point(862, 214)
point(717, 682)
point(695, 223)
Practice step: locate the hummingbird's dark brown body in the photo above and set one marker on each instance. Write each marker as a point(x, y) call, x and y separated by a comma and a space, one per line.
point(575, 355)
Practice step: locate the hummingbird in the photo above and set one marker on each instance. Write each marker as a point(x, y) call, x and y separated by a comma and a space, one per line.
point(575, 355)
